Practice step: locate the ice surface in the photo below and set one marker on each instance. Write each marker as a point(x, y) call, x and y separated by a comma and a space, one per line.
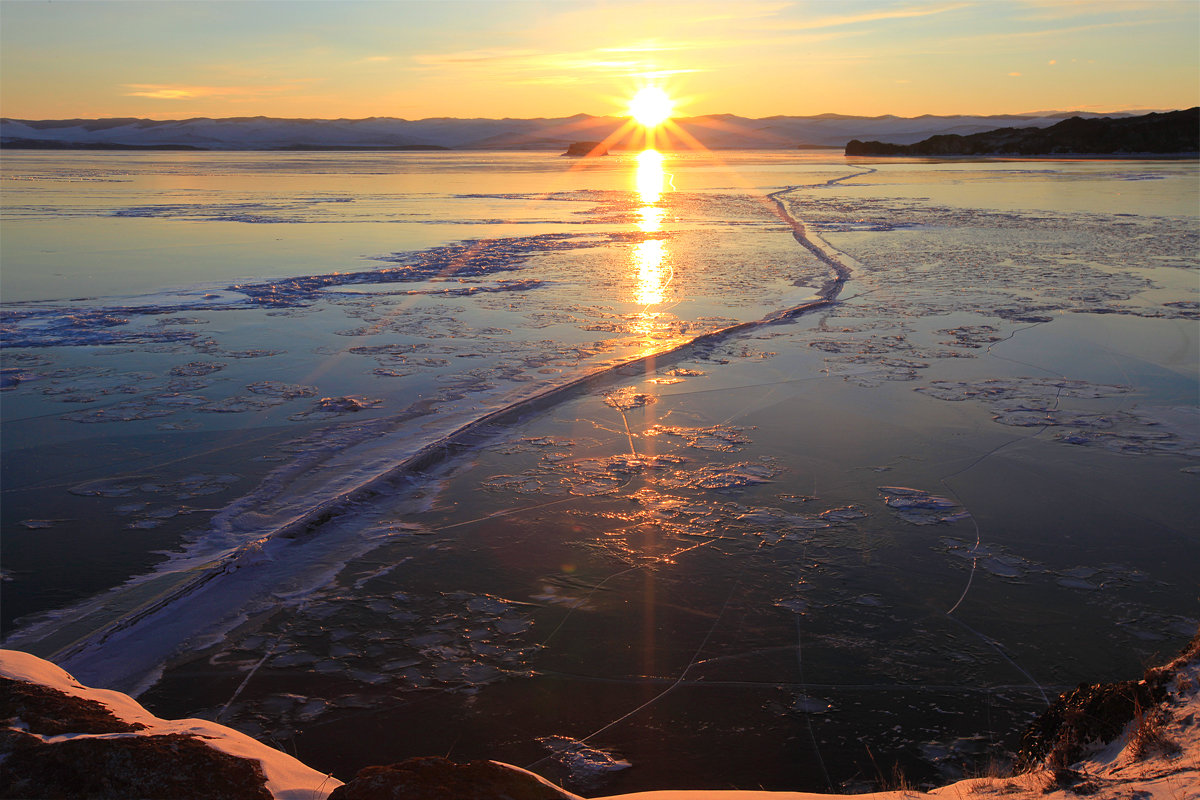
point(402, 478)
point(920, 507)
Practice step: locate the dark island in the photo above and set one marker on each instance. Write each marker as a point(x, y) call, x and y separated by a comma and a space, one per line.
point(586, 149)
point(1170, 133)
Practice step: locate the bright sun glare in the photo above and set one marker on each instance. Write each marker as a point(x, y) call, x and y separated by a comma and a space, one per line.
point(651, 107)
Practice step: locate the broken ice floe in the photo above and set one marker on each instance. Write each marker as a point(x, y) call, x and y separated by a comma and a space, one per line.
point(454, 261)
point(376, 644)
point(990, 558)
point(1044, 262)
point(1142, 430)
point(58, 327)
point(183, 488)
point(534, 443)
point(85, 384)
point(196, 368)
point(586, 477)
point(797, 605)
point(971, 336)
point(284, 391)
point(920, 507)
point(240, 404)
point(40, 524)
point(726, 476)
point(1044, 389)
point(149, 488)
point(718, 438)
point(808, 704)
point(628, 398)
point(121, 412)
point(585, 766)
point(1037, 402)
point(330, 407)
point(868, 361)
point(553, 594)
point(843, 514)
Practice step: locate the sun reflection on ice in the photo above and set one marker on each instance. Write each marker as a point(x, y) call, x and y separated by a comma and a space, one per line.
point(650, 176)
point(651, 270)
point(652, 278)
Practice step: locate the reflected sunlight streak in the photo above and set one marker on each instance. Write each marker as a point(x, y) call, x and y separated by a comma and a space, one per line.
point(651, 267)
point(650, 176)
point(651, 218)
point(648, 257)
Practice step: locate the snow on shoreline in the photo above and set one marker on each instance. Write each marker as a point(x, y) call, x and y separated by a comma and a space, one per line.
point(1147, 762)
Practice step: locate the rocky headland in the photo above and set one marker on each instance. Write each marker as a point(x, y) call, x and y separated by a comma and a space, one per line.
point(1171, 133)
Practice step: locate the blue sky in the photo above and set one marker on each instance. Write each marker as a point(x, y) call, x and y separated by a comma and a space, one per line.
point(171, 59)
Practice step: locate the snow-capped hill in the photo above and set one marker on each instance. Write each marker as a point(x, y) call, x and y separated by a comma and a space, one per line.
point(717, 131)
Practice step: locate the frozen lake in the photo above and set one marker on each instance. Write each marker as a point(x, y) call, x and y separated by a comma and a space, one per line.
point(698, 470)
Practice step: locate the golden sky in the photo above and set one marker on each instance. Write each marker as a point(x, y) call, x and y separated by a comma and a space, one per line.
point(414, 59)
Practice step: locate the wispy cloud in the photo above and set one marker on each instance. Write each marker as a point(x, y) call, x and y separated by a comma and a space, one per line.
point(478, 57)
point(1045, 10)
point(976, 40)
point(158, 91)
point(741, 11)
point(650, 46)
point(541, 66)
point(904, 12)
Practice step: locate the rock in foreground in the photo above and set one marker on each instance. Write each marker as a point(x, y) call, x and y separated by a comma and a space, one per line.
point(438, 778)
point(62, 739)
point(120, 768)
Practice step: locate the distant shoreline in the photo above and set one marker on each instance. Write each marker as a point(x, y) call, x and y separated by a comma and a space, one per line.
point(111, 147)
point(45, 144)
point(1189, 156)
point(712, 132)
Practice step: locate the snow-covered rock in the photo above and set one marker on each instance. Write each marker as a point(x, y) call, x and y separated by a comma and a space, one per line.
point(96, 743)
point(64, 739)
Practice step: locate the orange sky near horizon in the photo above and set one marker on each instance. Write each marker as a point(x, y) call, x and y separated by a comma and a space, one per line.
point(527, 58)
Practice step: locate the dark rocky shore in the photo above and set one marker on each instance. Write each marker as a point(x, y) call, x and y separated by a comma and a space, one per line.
point(1172, 133)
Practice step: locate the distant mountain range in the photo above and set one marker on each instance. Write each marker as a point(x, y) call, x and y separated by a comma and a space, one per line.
point(1172, 132)
point(721, 131)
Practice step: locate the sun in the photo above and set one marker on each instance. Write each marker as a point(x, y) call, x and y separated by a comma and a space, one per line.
point(651, 107)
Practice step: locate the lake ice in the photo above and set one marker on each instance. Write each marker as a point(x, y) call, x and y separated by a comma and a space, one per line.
point(790, 555)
